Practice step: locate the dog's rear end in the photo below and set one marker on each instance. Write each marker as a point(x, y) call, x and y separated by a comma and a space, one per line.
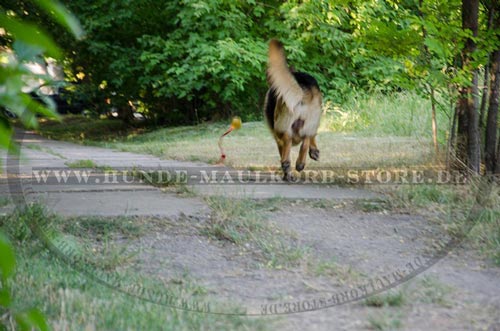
point(292, 109)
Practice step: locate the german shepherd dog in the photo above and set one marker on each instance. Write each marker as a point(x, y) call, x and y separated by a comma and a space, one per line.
point(292, 109)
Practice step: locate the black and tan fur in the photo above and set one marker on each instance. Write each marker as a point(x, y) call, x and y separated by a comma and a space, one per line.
point(292, 109)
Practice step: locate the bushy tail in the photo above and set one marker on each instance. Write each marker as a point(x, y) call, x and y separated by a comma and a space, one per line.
point(281, 78)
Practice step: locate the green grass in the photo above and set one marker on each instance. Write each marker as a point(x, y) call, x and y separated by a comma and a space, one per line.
point(4, 201)
point(252, 147)
point(71, 301)
point(372, 205)
point(433, 291)
point(81, 164)
point(332, 269)
point(486, 233)
point(398, 114)
point(394, 305)
point(386, 320)
point(388, 299)
point(449, 206)
point(392, 130)
point(78, 128)
point(242, 222)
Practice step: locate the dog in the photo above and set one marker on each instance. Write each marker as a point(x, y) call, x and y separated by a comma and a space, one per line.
point(292, 109)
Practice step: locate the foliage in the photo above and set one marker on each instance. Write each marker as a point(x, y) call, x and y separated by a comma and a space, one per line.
point(27, 43)
point(187, 61)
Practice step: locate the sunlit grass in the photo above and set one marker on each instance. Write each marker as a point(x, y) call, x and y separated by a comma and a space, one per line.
point(366, 131)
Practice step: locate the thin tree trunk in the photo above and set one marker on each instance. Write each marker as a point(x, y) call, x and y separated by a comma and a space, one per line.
point(486, 84)
point(497, 166)
point(474, 141)
point(462, 127)
point(450, 153)
point(485, 95)
point(427, 57)
point(434, 123)
point(490, 142)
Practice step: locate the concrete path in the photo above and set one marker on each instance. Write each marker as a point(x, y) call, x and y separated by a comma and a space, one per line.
point(47, 177)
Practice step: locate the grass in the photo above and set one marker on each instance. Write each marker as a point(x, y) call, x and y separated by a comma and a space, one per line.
point(375, 131)
point(433, 291)
point(252, 147)
point(331, 268)
point(399, 114)
point(372, 205)
point(81, 164)
point(4, 201)
point(78, 128)
point(241, 222)
point(485, 234)
point(450, 206)
point(394, 131)
point(71, 301)
point(395, 304)
point(385, 321)
point(389, 299)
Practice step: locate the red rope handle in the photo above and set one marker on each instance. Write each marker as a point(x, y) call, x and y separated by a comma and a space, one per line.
point(222, 154)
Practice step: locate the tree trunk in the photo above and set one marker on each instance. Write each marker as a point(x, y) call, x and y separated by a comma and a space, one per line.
point(473, 138)
point(486, 85)
point(490, 142)
point(497, 166)
point(468, 146)
point(485, 95)
point(427, 60)
point(434, 123)
point(491, 157)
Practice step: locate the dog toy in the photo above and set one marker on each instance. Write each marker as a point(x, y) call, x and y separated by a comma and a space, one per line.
point(235, 125)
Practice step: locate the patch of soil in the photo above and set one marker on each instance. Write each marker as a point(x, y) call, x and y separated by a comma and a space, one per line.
point(358, 246)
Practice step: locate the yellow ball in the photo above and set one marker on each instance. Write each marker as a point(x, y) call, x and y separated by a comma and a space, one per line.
point(236, 123)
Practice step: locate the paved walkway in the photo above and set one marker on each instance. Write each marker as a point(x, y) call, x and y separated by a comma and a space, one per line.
point(102, 195)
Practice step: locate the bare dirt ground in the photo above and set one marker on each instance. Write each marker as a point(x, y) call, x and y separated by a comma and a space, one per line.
point(342, 247)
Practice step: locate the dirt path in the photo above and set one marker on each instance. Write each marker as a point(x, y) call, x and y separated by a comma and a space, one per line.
point(341, 246)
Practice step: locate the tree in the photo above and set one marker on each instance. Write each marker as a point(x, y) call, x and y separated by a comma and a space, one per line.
point(490, 142)
point(468, 142)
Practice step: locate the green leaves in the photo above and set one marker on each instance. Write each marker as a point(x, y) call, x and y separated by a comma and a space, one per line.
point(59, 13)
point(7, 260)
point(31, 319)
point(30, 34)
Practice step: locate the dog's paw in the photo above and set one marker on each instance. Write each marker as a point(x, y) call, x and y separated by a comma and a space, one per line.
point(287, 171)
point(286, 166)
point(288, 177)
point(314, 154)
point(300, 166)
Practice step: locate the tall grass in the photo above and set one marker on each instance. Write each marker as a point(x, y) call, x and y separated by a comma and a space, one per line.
point(377, 115)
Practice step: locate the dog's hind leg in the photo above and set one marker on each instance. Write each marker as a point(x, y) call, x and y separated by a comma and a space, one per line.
point(313, 149)
point(285, 157)
point(301, 160)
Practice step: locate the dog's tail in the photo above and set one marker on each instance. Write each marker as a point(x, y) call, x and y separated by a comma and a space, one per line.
point(280, 77)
